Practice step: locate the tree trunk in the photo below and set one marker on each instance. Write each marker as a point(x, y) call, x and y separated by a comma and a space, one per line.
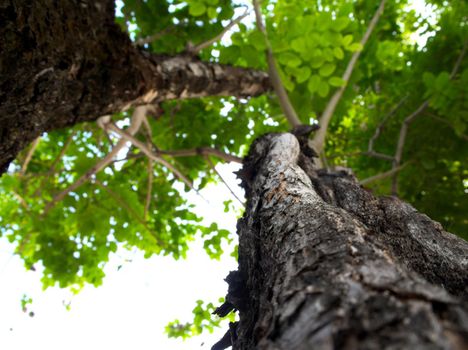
point(323, 264)
point(64, 62)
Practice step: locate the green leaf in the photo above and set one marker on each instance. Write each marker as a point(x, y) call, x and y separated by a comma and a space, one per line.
point(303, 74)
point(197, 8)
point(354, 47)
point(327, 69)
point(338, 53)
point(289, 59)
point(257, 40)
point(336, 81)
point(212, 13)
point(340, 23)
point(299, 45)
point(323, 89)
point(317, 61)
point(347, 39)
point(314, 83)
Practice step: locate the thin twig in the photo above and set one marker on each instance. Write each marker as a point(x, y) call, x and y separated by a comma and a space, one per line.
point(273, 73)
point(135, 124)
point(318, 141)
point(61, 154)
point(27, 159)
point(149, 190)
point(412, 116)
point(446, 122)
point(129, 210)
point(377, 155)
point(208, 160)
point(194, 50)
point(149, 39)
point(150, 154)
point(202, 151)
point(457, 64)
point(380, 127)
point(22, 201)
point(383, 175)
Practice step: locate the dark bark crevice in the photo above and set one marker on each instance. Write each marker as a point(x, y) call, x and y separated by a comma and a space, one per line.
point(65, 62)
point(329, 266)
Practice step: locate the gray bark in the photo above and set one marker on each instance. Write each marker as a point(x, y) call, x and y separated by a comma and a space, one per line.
point(323, 264)
point(65, 62)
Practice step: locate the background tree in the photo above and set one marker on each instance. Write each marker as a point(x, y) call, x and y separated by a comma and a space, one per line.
point(389, 108)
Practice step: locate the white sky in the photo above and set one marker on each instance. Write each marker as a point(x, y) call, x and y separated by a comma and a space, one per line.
point(131, 308)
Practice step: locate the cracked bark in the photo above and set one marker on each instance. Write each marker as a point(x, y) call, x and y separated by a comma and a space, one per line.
point(323, 264)
point(65, 62)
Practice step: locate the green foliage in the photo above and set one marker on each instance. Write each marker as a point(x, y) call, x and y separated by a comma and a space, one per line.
point(312, 41)
point(203, 320)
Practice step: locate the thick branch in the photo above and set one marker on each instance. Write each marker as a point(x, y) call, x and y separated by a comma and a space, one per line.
point(318, 141)
point(78, 75)
point(275, 78)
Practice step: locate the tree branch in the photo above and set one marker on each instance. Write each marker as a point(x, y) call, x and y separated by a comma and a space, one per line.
point(137, 118)
point(150, 154)
point(378, 130)
point(446, 122)
point(208, 160)
point(194, 50)
point(29, 155)
point(149, 143)
point(273, 73)
point(202, 151)
point(149, 39)
point(383, 175)
point(412, 116)
point(318, 141)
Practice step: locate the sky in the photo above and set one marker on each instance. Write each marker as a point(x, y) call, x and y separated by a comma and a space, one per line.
point(132, 307)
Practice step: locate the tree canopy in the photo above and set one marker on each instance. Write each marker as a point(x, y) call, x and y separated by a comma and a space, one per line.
point(392, 75)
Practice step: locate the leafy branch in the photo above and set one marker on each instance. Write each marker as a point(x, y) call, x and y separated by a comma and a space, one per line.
point(136, 121)
point(318, 141)
point(409, 119)
point(273, 73)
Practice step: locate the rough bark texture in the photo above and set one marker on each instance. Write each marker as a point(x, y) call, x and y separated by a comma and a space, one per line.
point(323, 264)
point(64, 62)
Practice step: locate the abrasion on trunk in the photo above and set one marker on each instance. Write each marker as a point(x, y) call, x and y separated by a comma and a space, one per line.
point(324, 264)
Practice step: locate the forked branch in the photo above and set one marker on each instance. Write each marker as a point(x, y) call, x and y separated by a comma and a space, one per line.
point(409, 119)
point(150, 154)
point(137, 119)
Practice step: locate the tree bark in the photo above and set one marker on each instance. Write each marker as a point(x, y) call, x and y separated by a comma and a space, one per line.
point(65, 62)
point(323, 264)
